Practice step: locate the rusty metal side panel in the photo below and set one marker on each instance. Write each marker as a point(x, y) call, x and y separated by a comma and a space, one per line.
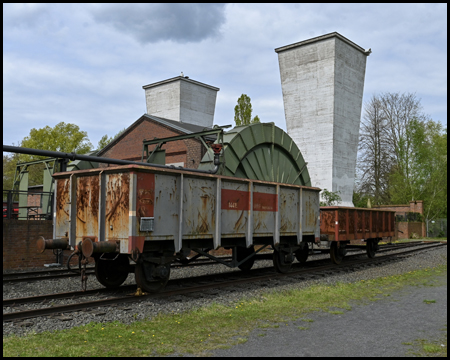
point(356, 224)
point(342, 220)
point(265, 206)
point(87, 198)
point(235, 206)
point(62, 215)
point(199, 203)
point(166, 207)
point(310, 213)
point(289, 208)
point(117, 206)
point(327, 223)
point(367, 226)
point(359, 225)
point(351, 224)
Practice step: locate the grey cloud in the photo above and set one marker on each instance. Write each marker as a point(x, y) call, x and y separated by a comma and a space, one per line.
point(150, 23)
point(24, 15)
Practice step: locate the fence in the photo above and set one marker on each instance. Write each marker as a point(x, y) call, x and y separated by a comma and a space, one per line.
point(437, 228)
point(27, 205)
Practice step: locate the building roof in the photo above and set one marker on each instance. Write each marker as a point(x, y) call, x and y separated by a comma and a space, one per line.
point(184, 78)
point(182, 128)
point(321, 38)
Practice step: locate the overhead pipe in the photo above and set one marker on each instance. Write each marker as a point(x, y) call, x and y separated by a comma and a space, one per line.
point(73, 156)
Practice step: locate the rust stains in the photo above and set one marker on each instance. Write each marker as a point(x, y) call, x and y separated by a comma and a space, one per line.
point(117, 206)
point(88, 189)
point(62, 206)
point(239, 222)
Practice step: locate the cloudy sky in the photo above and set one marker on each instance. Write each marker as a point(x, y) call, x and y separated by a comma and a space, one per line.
point(86, 63)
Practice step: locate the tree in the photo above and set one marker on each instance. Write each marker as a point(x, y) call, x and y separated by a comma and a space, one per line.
point(385, 144)
point(243, 111)
point(104, 141)
point(421, 173)
point(9, 169)
point(359, 200)
point(63, 137)
point(374, 158)
point(330, 198)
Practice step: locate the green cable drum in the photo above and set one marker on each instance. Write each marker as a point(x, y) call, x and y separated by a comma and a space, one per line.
point(260, 151)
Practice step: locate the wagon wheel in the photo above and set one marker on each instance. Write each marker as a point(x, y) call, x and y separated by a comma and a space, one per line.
point(241, 254)
point(151, 278)
point(302, 253)
point(279, 261)
point(111, 273)
point(336, 253)
point(371, 246)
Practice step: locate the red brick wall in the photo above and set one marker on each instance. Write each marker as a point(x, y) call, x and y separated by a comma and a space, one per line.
point(19, 244)
point(414, 206)
point(406, 229)
point(417, 227)
point(130, 146)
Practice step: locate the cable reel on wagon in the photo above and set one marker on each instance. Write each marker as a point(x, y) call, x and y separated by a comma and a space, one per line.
point(262, 151)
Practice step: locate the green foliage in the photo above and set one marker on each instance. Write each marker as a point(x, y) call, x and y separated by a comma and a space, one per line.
point(9, 169)
point(104, 141)
point(421, 172)
point(330, 198)
point(243, 112)
point(360, 200)
point(62, 137)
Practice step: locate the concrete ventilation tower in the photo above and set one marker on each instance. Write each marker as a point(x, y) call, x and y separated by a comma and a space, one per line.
point(322, 80)
point(182, 99)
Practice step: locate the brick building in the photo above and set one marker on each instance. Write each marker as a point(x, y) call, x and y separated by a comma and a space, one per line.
point(405, 229)
point(129, 145)
point(176, 106)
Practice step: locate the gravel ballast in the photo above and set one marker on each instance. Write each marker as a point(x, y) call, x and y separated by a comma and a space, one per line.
point(128, 313)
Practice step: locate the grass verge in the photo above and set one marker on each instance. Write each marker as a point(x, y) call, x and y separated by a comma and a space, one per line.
point(213, 327)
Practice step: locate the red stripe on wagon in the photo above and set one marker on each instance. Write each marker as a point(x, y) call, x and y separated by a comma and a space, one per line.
point(265, 202)
point(235, 200)
point(240, 200)
point(145, 194)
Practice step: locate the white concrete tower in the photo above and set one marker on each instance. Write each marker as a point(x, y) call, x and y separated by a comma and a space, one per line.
point(322, 80)
point(182, 99)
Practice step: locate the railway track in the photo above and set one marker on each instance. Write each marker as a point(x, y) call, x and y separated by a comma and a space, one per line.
point(31, 276)
point(201, 284)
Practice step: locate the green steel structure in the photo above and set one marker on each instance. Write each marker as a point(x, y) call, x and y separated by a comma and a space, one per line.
point(51, 166)
point(260, 151)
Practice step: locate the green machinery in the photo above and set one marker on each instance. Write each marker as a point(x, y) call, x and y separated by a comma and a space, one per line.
point(260, 151)
point(21, 190)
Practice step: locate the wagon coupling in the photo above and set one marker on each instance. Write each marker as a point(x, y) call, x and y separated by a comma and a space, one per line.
point(43, 244)
point(89, 247)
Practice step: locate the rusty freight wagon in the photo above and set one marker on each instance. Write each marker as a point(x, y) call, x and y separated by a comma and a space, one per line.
point(252, 189)
point(341, 226)
point(153, 216)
